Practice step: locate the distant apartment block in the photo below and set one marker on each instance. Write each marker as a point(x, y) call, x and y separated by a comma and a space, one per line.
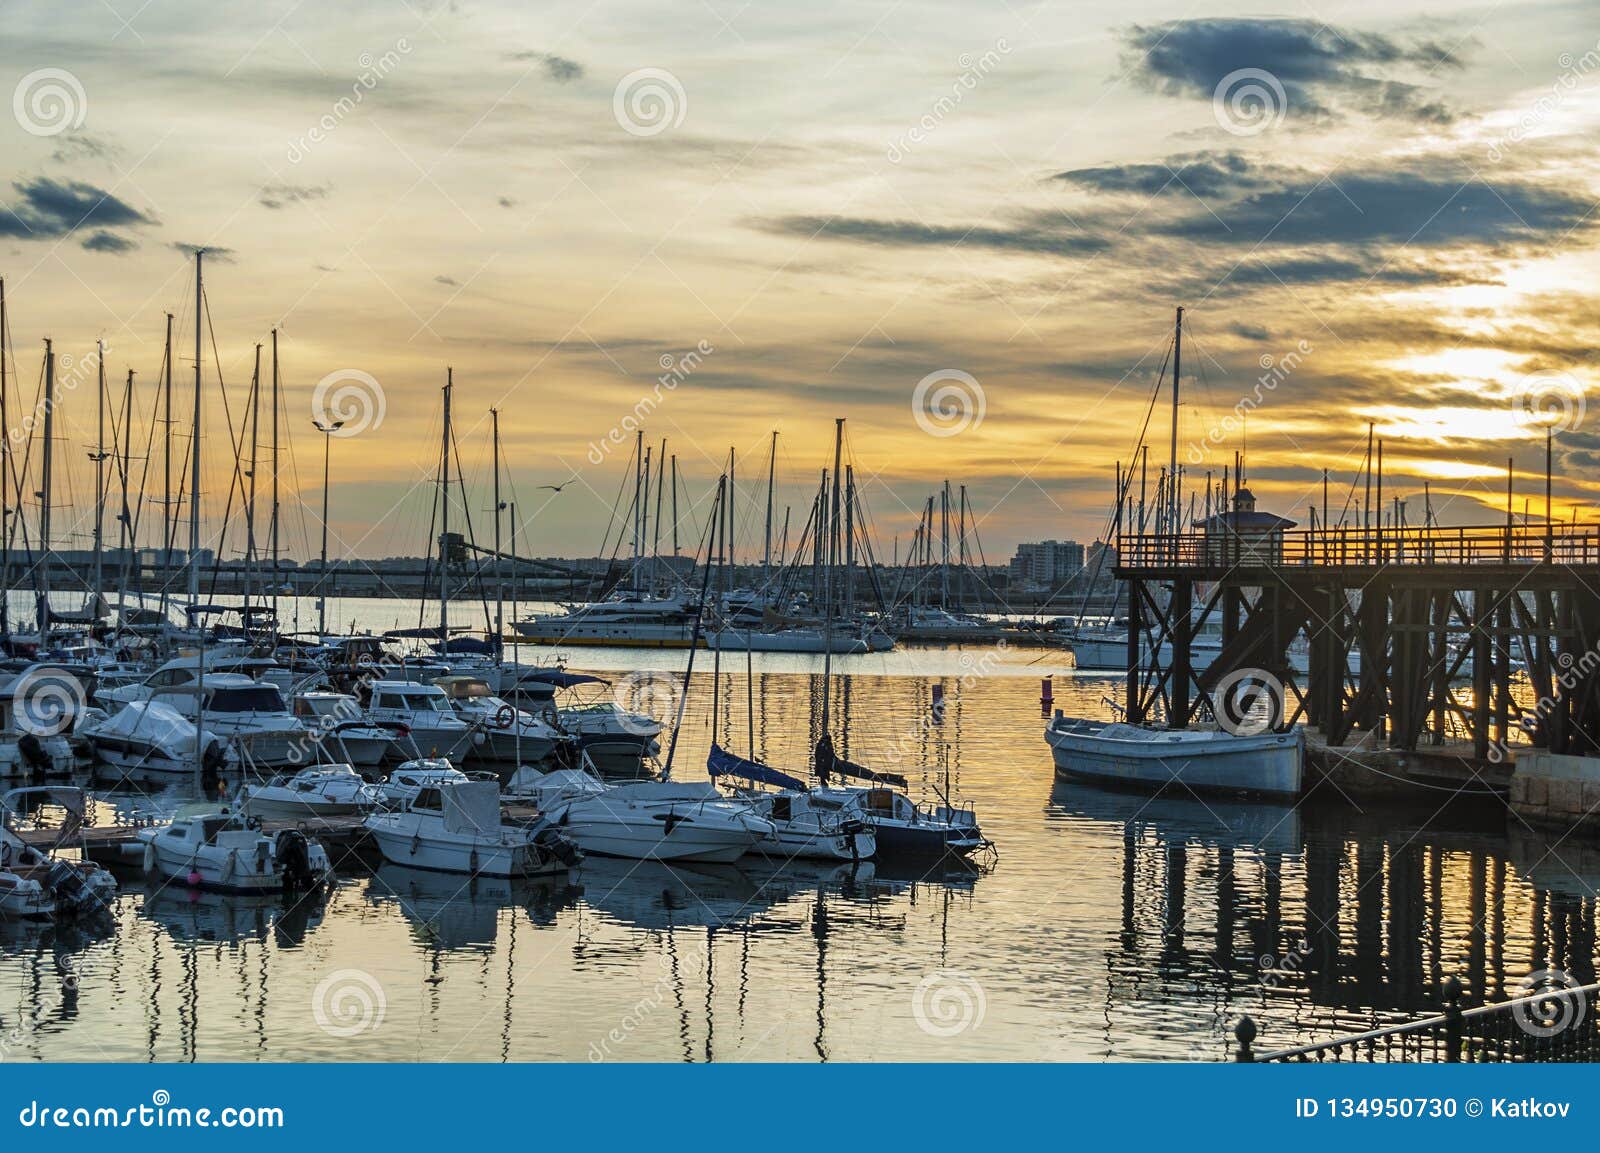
point(1046, 564)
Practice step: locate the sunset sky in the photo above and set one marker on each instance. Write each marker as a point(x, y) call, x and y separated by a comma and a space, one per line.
point(1388, 211)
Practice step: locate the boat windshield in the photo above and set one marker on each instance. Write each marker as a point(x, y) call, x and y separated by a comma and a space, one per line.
point(256, 699)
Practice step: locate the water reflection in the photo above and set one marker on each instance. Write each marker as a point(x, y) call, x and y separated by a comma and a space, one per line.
point(194, 916)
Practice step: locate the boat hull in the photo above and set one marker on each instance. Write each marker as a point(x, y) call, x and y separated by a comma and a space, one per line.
point(1265, 764)
point(401, 846)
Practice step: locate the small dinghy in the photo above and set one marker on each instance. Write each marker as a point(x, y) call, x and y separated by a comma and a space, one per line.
point(210, 848)
point(1114, 753)
point(323, 791)
point(456, 827)
point(807, 823)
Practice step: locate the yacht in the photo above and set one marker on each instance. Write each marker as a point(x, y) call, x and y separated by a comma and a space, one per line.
point(509, 733)
point(1267, 763)
point(457, 827)
point(647, 820)
point(634, 620)
point(206, 847)
point(397, 789)
point(151, 740)
point(932, 623)
point(322, 791)
point(807, 823)
point(336, 723)
point(250, 714)
point(616, 740)
point(428, 725)
point(185, 672)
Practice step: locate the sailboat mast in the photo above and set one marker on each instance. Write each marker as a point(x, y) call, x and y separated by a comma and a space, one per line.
point(273, 527)
point(766, 555)
point(499, 561)
point(674, 506)
point(638, 507)
point(1172, 468)
point(168, 510)
point(125, 515)
point(194, 448)
point(44, 492)
point(250, 570)
point(733, 510)
point(655, 536)
point(99, 458)
point(827, 573)
point(444, 515)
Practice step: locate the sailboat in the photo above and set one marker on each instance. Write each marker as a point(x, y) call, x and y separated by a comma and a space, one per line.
point(1256, 759)
point(899, 824)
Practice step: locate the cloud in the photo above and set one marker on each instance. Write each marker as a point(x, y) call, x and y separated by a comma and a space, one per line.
point(215, 253)
point(506, 202)
point(109, 242)
point(557, 68)
point(50, 209)
point(1047, 236)
point(277, 195)
point(447, 281)
point(1325, 71)
point(1200, 173)
point(83, 146)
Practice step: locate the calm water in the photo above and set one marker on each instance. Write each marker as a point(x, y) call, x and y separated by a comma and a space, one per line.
point(1113, 926)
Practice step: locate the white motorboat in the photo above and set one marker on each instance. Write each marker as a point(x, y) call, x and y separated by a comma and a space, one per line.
point(509, 733)
point(335, 722)
point(635, 620)
point(250, 714)
point(77, 887)
point(321, 791)
point(457, 827)
point(615, 739)
point(647, 820)
point(33, 744)
point(1111, 752)
point(151, 740)
point(184, 672)
point(396, 790)
point(428, 726)
point(24, 898)
point(206, 847)
point(807, 823)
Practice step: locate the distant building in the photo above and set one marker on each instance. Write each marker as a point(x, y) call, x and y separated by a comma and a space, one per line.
point(1245, 535)
point(1047, 564)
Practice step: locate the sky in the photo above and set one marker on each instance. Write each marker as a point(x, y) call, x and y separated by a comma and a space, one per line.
point(962, 227)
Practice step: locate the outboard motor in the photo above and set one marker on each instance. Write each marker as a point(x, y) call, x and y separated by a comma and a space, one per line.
point(293, 854)
point(71, 891)
point(211, 764)
point(558, 845)
point(34, 755)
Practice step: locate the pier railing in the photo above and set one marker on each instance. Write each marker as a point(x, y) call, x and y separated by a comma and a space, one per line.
point(1555, 1024)
point(1501, 544)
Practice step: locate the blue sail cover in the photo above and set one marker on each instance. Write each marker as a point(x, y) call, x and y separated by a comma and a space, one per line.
point(722, 763)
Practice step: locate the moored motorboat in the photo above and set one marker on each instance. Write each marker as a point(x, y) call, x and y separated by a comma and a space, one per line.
point(77, 886)
point(1268, 762)
point(320, 791)
point(807, 823)
point(457, 827)
point(206, 847)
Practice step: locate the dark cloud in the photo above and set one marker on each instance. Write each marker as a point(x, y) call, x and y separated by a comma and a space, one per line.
point(83, 146)
point(50, 209)
point(447, 281)
point(277, 195)
point(1049, 236)
point(215, 253)
point(557, 68)
point(1325, 71)
point(1202, 174)
point(506, 202)
point(109, 242)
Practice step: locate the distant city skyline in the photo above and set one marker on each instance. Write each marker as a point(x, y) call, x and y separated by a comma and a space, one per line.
point(964, 230)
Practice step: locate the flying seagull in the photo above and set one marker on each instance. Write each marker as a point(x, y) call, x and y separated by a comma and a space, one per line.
point(558, 487)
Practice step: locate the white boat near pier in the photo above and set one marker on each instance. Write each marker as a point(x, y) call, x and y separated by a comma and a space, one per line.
point(1114, 753)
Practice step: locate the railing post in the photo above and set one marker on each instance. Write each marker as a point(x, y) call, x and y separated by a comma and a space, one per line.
point(1245, 1031)
point(1453, 1023)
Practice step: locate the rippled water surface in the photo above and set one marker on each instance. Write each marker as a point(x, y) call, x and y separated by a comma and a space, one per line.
point(1112, 926)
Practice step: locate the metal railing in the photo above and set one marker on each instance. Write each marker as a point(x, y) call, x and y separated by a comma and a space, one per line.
point(1555, 1024)
point(1465, 545)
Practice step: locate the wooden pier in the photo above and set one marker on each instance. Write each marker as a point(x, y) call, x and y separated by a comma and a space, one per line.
point(1419, 639)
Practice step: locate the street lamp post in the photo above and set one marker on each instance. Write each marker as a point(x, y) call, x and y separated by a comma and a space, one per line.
point(327, 431)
